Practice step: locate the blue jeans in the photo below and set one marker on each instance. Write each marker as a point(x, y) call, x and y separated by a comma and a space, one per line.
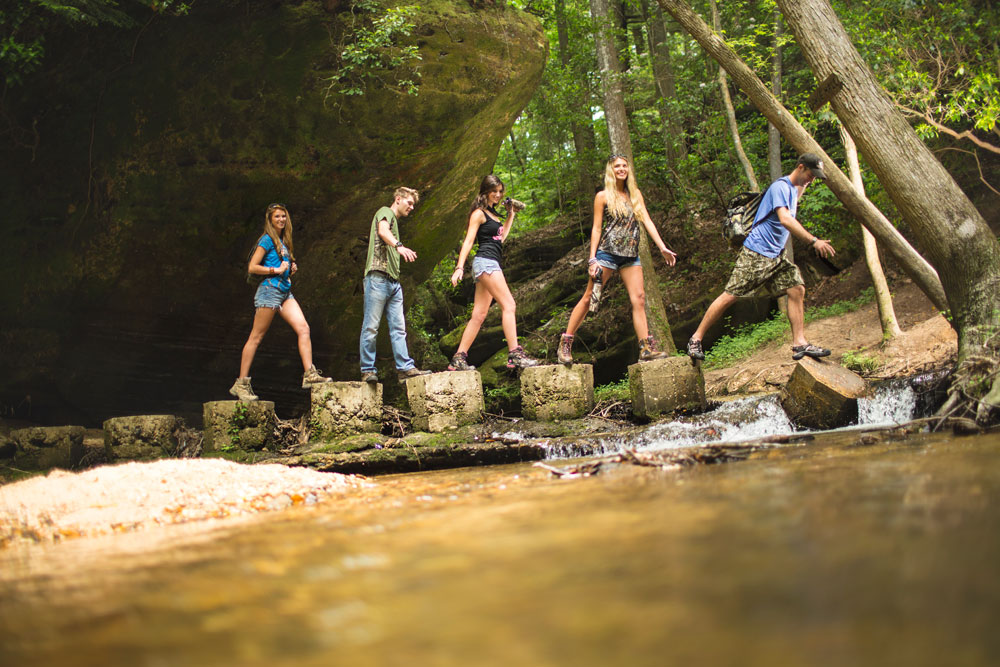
point(383, 295)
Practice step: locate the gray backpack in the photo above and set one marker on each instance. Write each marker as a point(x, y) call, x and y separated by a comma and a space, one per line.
point(740, 214)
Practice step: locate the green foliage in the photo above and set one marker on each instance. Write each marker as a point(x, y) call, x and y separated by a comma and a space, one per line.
point(373, 53)
point(748, 338)
point(237, 422)
point(861, 362)
point(613, 391)
point(26, 26)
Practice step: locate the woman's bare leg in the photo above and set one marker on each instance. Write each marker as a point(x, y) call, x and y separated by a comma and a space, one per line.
point(261, 323)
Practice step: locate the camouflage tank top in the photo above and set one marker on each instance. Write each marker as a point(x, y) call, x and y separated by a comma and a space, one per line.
point(620, 235)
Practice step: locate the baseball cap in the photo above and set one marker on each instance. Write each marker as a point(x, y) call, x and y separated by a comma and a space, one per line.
point(814, 163)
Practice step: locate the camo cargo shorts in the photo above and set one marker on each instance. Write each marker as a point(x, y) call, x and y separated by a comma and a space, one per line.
point(753, 271)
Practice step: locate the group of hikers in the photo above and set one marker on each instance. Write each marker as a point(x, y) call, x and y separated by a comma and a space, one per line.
point(619, 209)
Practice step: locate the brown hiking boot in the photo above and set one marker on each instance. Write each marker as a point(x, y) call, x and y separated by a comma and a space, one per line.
point(460, 362)
point(565, 353)
point(649, 351)
point(403, 376)
point(516, 358)
point(312, 377)
point(242, 391)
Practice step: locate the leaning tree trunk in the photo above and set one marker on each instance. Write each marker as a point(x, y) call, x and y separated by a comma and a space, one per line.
point(773, 136)
point(614, 113)
point(915, 266)
point(727, 104)
point(950, 229)
point(886, 311)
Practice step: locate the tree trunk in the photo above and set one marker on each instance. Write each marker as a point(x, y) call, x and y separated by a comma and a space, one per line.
point(663, 75)
point(583, 134)
point(773, 136)
point(727, 103)
point(888, 236)
point(886, 312)
point(950, 229)
point(614, 113)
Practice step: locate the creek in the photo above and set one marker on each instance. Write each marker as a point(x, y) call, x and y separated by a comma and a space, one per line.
point(840, 551)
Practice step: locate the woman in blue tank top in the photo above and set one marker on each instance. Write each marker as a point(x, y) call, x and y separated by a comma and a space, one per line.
point(486, 229)
point(273, 258)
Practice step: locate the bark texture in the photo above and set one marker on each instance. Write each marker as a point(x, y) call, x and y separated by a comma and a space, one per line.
point(915, 266)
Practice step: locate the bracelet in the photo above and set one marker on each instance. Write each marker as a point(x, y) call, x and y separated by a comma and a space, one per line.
point(813, 242)
point(460, 268)
point(591, 261)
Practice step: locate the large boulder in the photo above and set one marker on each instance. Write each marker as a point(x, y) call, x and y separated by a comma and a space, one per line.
point(822, 395)
point(134, 198)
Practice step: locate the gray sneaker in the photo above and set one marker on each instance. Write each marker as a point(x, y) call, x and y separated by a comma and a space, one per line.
point(410, 373)
point(371, 377)
point(313, 377)
point(242, 391)
point(694, 349)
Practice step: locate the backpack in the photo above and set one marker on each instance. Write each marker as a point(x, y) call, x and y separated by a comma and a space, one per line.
point(252, 278)
point(740, 214)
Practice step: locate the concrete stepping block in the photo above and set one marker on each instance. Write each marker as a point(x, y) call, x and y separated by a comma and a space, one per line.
point(343, 408)
point(45, 447)
point(664, 386)
point(238, 426)
point(822, 395)
point(557, 392)
point(445, 400)
point(141, 437)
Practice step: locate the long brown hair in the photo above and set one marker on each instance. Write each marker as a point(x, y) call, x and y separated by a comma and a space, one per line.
point(489, 184)
point(284, 236)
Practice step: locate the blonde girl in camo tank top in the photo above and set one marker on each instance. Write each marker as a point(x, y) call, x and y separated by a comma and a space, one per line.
point(614, 246)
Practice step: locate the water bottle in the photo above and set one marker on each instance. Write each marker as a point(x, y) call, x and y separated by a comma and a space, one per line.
point(595, 293)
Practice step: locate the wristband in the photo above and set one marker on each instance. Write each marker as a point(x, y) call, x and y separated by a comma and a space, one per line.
point(813, 242)
point(591, 261)
point(460, 268)
point(399, 244)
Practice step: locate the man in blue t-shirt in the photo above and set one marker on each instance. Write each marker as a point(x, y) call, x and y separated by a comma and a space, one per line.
point(762, 262)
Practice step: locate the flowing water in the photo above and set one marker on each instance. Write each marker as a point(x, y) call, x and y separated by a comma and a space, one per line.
point(838, 552)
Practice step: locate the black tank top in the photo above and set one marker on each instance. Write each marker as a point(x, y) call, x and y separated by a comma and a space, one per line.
point(488, 237)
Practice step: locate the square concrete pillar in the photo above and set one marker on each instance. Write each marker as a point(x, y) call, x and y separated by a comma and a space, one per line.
point(664, 386)
point(140, 438)
point(444, 400)
point(822, 395)
point(45, 447)
point(238, 425)
point(342, 408)
point(557, 392)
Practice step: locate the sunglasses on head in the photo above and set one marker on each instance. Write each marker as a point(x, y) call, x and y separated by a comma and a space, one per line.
point(615, 156)
point(271, 207)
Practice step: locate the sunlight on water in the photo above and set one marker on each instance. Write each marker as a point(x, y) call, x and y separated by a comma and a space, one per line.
point(891, 404)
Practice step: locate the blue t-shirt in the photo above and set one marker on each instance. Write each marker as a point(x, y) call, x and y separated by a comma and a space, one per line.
point(281, 281)
point(768, 235)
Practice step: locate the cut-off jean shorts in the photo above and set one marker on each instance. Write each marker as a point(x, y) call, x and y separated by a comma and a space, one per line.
point(615, 262)
point(481, 265)
point(270, 297)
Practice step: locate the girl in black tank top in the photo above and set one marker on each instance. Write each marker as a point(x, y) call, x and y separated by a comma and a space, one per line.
point(486, 229)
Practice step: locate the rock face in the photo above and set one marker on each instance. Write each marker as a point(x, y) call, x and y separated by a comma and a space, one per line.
point(822, 395)
point(139, 164)
point(664, 386)
point(235, 426)
point(46, 447)
point(445, 400)
point(140, 438)
point(557, 392)
point(340, 408)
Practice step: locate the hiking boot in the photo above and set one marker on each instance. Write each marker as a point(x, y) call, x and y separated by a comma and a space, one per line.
point(460, 362)
point(516, 358)
point(403, 376)
point(242, 390)
point(648, 350)
point(312, 377)
point(694, 349)
point(809, 350)
point(370, 376)
point(565, 353)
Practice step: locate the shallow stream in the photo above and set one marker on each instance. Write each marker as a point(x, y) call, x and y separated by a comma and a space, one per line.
point(829, 553)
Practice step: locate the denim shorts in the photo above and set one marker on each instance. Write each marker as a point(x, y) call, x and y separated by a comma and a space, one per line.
point(270, 297)
point(481, 265)
point(616, 262)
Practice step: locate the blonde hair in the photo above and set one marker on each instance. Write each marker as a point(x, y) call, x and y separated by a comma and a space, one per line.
point(613, 199)
point(406, 192)
point(284, 236)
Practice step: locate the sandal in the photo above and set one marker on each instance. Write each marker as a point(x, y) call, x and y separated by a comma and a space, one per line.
point(809, 350)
